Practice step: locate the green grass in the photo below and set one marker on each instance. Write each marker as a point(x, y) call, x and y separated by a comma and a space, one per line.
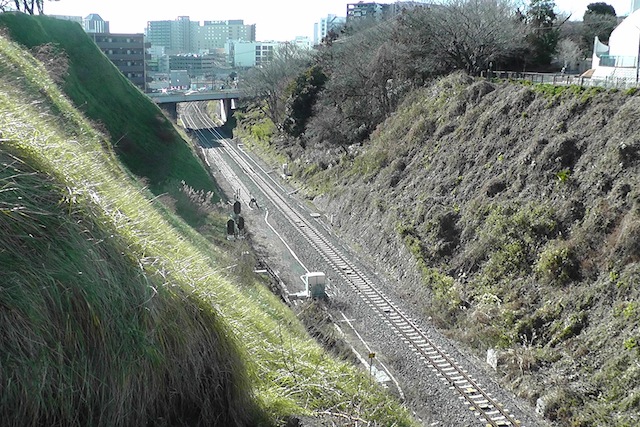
point(114, 311)
point(144, 140)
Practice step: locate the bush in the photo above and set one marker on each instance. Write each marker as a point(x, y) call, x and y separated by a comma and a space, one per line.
point(557, 265)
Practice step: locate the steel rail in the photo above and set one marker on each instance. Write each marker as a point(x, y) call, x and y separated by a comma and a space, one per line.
point(485, 407)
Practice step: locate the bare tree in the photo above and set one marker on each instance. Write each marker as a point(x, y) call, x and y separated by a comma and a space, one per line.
point(4, 5)
point(459, 35)
point(363, 89)
point(569, 53)
point(27, 6)
point(268, 81)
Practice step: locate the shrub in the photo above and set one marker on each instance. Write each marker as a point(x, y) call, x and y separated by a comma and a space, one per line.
point(557, 264)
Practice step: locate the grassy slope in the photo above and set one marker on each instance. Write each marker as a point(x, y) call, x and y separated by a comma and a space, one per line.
point(112, 315)
point(519, 205)
point(143, 138)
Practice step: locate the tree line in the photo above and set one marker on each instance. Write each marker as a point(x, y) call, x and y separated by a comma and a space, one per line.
point(338, 93)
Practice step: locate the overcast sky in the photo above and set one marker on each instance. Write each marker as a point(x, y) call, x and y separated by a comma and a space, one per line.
point(275, 20)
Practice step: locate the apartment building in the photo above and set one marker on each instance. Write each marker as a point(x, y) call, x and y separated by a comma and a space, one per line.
point(127, 53)
point(175, 36)
point(362, 11)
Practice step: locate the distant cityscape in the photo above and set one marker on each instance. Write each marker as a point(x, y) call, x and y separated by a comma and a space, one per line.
point(182, 54)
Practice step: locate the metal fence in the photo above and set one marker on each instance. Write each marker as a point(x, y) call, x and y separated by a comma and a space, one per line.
point(566, 79)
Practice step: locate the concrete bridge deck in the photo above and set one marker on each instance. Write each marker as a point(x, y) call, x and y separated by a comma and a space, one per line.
point(172, 98)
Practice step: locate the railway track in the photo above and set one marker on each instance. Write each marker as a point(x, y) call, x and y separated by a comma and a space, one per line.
point(487, 409)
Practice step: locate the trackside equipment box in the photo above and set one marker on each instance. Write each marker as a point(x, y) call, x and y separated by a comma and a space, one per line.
point(315, 283)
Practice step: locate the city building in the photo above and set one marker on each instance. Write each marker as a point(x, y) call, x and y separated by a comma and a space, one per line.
point(93, 23)
point(179, 80)
point(250, 54)
point(330, 23)
point(194, 65)
point(176, 36)
point(365, 11)
point(127, 52)
point(183, 36)
point(213, 35)
point(378, 11)
point(303, 42)
point(158, 61)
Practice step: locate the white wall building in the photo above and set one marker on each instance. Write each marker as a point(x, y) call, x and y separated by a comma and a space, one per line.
point(331, 22)
point(250, 54)
point(303, 42)
point(619, 60)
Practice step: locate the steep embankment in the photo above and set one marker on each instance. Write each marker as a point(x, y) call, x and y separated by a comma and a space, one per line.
point(98, 327)
point(114, 312)
point(511, 215)
point(144, 140)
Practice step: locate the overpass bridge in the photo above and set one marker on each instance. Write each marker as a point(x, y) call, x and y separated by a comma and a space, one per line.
point(169, 101)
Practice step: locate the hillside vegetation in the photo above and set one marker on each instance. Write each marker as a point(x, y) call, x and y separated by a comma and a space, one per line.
point(144, 140)
point(112, 310)
point(510, 215)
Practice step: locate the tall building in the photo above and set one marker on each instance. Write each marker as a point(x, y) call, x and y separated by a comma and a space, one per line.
point(635, 5)
point(159, 34)
point(184, 36)
point(127, 52)
point(176, 36)
point(93, 23)
point(213, 35)
point(322, 28)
